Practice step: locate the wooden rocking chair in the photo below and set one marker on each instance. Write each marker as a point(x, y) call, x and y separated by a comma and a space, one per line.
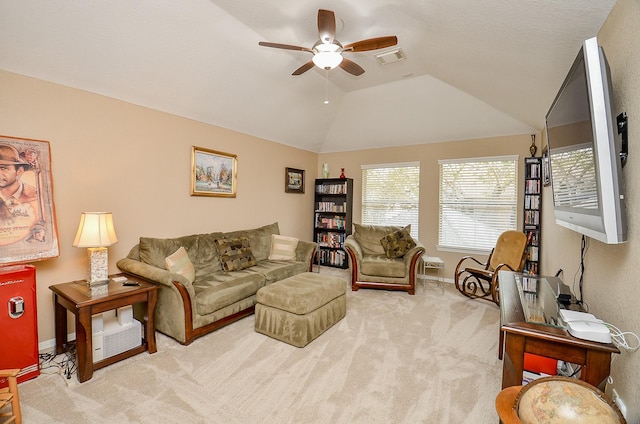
point(480, 280)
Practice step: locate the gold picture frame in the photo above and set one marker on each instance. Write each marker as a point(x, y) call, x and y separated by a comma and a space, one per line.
point(294, 180)
point(28, 230)
point(213, 173)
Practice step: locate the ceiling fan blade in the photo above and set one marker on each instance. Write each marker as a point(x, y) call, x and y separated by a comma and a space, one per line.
point(372, 44)
point(351, 67)
point(326, 26)
point(304, 68)
point(284, 46)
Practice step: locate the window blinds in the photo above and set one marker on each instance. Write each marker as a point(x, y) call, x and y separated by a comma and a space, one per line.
point(478, 201)
point(391, 195)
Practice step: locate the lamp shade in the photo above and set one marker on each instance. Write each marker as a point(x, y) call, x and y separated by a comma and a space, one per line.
point(95, 230)
point(327, 56)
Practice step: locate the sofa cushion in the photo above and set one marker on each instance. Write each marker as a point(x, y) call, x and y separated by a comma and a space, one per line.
point(283, 248)
point(279, 270)
point(200, 248)
point(397, 244)
point(235, 253)
point(153, 251)
point(259, 239)
point(381, 266)
point(368, 236)
point(179, 263)
point(206, 259)
point(221, 289)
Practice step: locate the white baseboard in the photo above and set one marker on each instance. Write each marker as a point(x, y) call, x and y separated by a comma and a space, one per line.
point(49, 345)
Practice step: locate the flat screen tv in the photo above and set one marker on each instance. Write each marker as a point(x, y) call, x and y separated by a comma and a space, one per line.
point(584, 155)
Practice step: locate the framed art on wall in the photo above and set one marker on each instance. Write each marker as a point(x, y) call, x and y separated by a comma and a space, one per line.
point(213, 173)
point(28, 229)
point(294, 180)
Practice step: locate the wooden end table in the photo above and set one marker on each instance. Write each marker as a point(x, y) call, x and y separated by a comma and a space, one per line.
point(76, 297)
point(522, 335)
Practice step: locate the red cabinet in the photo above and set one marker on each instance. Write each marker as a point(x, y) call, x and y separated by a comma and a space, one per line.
point(19, 321)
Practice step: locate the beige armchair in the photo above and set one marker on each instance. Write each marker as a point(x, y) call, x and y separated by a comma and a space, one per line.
point(372, 267)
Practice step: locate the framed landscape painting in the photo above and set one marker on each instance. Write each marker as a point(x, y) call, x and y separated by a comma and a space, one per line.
point(28, 229)
point(213, 173)
point(294, 180)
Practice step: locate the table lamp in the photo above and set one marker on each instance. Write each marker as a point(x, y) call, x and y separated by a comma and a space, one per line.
point(96, 232)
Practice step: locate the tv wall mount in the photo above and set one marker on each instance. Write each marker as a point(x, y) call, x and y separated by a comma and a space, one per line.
point(622, 129)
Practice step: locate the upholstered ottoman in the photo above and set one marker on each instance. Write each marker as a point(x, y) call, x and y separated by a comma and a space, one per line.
point(298, 309)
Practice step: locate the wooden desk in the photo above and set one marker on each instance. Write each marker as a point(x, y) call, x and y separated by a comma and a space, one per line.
point(76, 297)
point(521, 336)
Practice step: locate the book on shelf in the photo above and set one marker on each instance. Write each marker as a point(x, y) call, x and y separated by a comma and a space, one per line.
point(334, 223)
point(332, 257)
point(331, 207)
point(532, 201)
point(531, 217)
point(532, 187)
point(534, 170)
point(338, 188)
point(334, 240)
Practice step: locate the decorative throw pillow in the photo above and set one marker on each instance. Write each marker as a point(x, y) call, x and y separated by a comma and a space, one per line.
point(398, 243)
point(179, 263)
point(283, 248)
point(235, 254)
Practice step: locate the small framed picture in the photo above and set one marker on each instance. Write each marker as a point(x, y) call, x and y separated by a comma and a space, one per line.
point(293, 180)
point(546, 169)
point(213, 173)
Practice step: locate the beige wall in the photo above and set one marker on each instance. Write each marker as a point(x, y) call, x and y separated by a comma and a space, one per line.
point(428, 156)
point(135, 162)
point(611, 286)
point(110, 155)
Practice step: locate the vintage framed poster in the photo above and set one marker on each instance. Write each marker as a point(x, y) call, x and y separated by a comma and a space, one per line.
point(293, 180)
point(28, 230)
point(213, 173)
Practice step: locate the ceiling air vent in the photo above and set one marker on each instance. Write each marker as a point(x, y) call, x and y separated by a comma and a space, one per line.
point(391, 56)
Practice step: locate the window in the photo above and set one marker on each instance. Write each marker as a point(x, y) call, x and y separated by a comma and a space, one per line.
point(391, 195)
point(478, 201)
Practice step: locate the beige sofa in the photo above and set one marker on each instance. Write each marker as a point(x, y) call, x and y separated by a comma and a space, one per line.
point(373, 266)
point(191, 305)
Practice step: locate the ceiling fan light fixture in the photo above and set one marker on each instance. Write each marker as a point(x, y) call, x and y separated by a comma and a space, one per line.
point(327, 55)
point(327, 60)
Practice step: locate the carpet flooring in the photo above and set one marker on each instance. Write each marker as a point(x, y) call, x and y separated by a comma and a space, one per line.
point(394, 358)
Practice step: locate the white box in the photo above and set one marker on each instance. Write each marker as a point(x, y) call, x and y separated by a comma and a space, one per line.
point(120, 338)
point(125, 315)
point(109, 338)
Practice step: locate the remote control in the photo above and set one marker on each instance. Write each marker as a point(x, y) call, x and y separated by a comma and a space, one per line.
point(130, 283)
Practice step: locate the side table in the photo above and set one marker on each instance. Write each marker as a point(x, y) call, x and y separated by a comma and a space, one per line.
point(76, 298)
point(432, 263)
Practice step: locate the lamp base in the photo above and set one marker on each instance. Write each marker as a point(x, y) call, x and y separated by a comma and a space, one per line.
point(98, 265)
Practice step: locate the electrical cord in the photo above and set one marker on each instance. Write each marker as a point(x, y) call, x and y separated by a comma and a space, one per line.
point(584, 246)
point(64, 364)
point(619, 338)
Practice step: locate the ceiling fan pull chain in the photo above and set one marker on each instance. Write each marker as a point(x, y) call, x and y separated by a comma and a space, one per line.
point(326, 87)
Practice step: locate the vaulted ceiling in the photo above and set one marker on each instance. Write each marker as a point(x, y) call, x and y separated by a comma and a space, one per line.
point(472, 68)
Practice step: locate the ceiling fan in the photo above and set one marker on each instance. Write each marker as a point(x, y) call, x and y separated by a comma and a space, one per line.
point(327, 52)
